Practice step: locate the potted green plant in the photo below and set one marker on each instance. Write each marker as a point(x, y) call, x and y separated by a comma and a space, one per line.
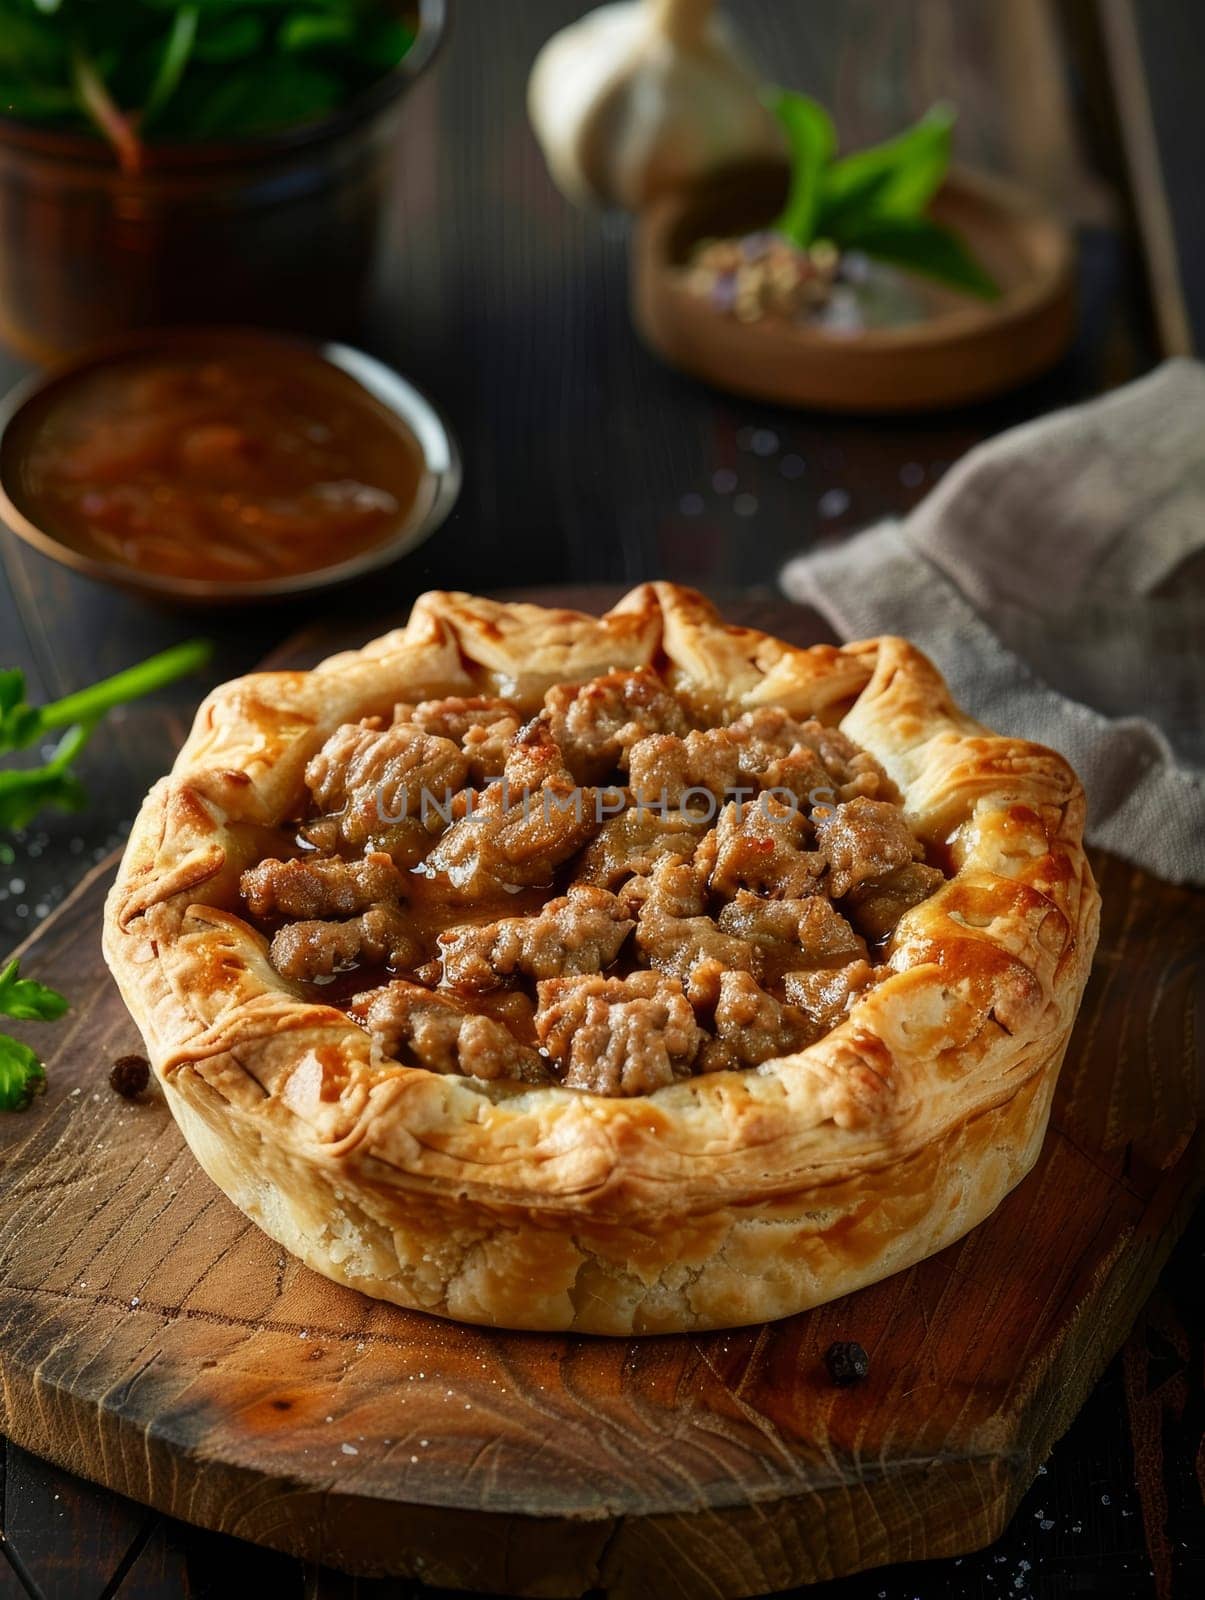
point(167, 161)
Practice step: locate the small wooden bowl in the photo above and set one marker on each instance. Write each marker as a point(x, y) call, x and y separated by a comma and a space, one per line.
point(968, 350)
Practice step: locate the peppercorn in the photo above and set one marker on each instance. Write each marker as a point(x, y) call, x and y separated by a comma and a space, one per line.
point(847, 1362)
point(129, 1076)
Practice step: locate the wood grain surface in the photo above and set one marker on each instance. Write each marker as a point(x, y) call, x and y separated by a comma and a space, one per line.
point(588, 459)
point(154, 1340)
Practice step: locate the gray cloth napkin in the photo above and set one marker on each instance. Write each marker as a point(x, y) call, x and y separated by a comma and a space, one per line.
point(1057, 578)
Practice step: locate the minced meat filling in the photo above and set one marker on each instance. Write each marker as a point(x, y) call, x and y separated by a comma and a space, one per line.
point(618, 1035)
point(581, 931)
point(613, 894)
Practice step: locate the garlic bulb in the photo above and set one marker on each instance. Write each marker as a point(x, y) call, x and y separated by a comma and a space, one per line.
point(644, 96)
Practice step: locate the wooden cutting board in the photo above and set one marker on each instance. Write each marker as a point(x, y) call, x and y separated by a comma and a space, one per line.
point(154, 1340)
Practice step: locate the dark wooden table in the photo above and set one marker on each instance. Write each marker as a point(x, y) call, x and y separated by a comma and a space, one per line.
point(588, 462)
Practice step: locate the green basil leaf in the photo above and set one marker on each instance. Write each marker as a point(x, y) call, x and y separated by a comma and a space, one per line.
point(30, 47)
point(227, 39)
point(255, 99)
point(173, 59)
point(316, 30)
point(812, 140)
point(922, 246)
point(859, 202)
point(129, 67)
point(897, 178)
point(33, 101)
point(382, 43)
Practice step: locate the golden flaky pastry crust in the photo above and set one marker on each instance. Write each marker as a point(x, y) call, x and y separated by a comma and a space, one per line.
point(725, 1199)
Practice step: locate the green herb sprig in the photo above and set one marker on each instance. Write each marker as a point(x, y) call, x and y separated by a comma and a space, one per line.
point(875, 200)
point(27, 1000)
point(24, 792)
point(140, 70)
point(22, 1074)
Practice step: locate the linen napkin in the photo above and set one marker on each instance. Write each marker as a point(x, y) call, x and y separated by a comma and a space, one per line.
point(1057, 577)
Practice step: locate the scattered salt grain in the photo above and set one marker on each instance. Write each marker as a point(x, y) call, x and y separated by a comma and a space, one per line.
point(833, 503)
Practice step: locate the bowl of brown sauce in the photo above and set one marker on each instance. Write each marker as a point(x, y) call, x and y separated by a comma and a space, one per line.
point(217, 465)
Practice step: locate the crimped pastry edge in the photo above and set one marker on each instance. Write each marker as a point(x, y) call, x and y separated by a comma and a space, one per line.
point(728, 1199)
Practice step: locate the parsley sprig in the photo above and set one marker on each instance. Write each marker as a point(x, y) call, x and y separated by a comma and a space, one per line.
point(139, 70)
point(27, 1000)
point(875, 200)
point(22, 1074)
point(26, 791)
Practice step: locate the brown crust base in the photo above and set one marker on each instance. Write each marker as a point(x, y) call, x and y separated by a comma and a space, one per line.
point(727, 1199)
